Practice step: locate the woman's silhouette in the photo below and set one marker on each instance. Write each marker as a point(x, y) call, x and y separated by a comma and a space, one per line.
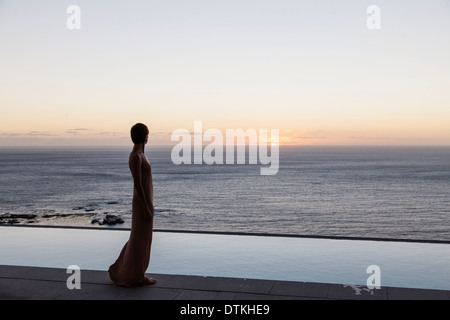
point(129, 268)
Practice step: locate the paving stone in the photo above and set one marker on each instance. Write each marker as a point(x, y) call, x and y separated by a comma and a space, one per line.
point(301, 289)
point(356, 292)
point(149, 293)
point(417, 294)
point(13, 271)
point(257, 297)
point(25, 289)
point(244, 285)
point(191, 282)
point(93, 292)
point(199, 295)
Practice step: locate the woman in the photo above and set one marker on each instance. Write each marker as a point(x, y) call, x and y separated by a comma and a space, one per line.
point(129, 268)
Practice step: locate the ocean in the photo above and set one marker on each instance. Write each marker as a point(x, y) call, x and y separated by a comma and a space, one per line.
point(373, 192)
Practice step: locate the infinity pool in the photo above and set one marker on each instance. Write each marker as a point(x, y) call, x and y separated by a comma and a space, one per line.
point(402, 264)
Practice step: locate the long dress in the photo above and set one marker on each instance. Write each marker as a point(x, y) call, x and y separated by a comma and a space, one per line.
point(129, 268)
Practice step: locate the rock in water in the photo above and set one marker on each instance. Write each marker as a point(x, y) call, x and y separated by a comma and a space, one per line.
point(96, 220)
point(22, 215)
point(109, 219)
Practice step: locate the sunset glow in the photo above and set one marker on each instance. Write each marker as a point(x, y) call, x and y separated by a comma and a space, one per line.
point(315, 71)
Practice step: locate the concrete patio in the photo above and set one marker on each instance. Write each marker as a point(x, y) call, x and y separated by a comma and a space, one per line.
point(37, 283)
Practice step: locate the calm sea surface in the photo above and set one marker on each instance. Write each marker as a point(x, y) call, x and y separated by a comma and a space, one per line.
point(385, 192)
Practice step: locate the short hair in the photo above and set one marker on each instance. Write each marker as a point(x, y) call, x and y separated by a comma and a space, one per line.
point(138, 133)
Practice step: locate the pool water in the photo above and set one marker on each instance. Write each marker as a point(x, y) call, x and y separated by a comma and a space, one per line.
point(402, 264)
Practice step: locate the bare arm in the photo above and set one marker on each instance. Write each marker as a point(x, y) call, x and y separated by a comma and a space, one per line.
point(135, 165)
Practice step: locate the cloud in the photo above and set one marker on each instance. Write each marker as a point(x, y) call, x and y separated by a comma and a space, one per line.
point(77, 130)
point(39, 134)
point(10, 134)
point(114, 134)
point(160, 133)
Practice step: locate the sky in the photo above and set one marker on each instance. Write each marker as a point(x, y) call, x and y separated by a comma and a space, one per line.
point(311, 69)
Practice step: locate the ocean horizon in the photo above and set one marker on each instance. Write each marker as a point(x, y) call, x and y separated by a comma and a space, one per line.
point(346, 191)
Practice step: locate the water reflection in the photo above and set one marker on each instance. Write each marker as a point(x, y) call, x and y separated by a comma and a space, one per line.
point(417, 265)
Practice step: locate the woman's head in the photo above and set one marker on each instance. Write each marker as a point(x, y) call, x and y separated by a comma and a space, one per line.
point(139, 133)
